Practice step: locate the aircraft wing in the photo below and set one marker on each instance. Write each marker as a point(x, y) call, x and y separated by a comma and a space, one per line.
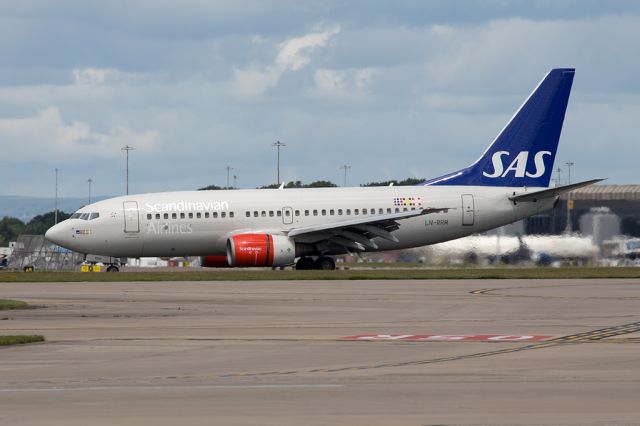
point(357, 234)
point(551, 192)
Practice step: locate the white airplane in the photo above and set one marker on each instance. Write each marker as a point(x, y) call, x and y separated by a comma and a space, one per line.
point(274, 227)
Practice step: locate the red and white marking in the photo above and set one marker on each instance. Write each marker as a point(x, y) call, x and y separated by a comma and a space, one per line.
point(450, 337)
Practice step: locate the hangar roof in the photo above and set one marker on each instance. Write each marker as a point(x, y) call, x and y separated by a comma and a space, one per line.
point(607, 193)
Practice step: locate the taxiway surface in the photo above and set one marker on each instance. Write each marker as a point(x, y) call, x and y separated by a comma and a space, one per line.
point(275, 352)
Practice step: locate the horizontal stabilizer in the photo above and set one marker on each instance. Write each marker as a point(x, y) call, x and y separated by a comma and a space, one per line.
point(552, 192)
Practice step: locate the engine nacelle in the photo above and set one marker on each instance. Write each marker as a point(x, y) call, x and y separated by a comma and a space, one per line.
point(260, 250)
point(214, 262)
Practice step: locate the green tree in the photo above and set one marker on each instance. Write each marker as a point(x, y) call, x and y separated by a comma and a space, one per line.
point(404, 182)
point(39, 224)
point(10, 228)
point(299, 184)
point(211, 188)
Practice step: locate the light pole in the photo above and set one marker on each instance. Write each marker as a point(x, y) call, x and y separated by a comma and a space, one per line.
point(558, 182)
point(278, 144)
point(55, 209)
point(235, 182)
point(569, 164)
point(345, 167)
point(89, 182)
point(569, 200)
point(228, 170)
point(127, 148)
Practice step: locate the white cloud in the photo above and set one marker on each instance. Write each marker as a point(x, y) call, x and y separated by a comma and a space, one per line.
point(294, 54)
point(348, 80)
point(102, 76)
point(46, 136)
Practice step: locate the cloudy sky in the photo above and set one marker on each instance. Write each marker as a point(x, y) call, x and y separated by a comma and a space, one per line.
point(394, 89)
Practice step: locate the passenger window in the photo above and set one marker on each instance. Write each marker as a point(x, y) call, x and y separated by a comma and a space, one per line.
point(190, 215)
point(380, 211)
point(356, 212)
point(166, 215)
point(331, 212)
point(306, 212)
point(223, 214)
point(397, 210)
point(324, 212)
point(279, 213)
point(149, 216)
point(157, 215)
point(255, 213)
point(198, 215)
point(247, 213)
point(181, 215)
point(174, 215)
point(271, 213)
point(230, 214)
point(264, 213)
point(364, 211)
point(215, 214)
point(297, 212)
point(339, 212)
point(405, 209)
point(315, 212)
point(348, 212)
point(287, 213)
point(206, 215)
point(389, 210)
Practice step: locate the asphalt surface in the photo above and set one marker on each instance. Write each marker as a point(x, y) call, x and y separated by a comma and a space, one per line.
point(533, 352)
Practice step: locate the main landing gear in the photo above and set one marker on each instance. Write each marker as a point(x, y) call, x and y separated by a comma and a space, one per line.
point(325, 263)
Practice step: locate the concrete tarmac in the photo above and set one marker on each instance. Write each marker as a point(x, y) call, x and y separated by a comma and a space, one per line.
point(274, 352)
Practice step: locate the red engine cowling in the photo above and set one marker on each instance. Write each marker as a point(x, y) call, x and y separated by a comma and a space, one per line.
point(260, 250)
point(214, 262)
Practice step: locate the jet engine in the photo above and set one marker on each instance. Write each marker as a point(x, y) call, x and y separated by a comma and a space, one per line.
point(214, 262)
point(260, 250)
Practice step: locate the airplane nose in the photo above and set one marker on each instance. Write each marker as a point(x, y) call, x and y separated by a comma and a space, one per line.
point(56, 234)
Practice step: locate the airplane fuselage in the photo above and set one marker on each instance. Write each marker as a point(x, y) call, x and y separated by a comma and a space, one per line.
point(199, 223)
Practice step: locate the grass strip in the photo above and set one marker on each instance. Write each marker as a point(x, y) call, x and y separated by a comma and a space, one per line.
point(350, 274)
point(6, 304)
point(20, 340)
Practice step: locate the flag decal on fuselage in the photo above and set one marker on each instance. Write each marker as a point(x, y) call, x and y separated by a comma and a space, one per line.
point(407, 201)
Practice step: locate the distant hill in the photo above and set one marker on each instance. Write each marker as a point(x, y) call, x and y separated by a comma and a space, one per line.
point(25, 208)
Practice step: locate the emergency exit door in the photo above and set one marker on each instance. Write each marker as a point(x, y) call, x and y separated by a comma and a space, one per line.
point(131, 219)
point(468, 210)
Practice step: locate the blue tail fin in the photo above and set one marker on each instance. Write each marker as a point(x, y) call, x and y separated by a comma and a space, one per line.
point(524, 152)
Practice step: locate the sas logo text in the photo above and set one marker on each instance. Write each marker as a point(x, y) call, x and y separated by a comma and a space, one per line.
point(518, 165)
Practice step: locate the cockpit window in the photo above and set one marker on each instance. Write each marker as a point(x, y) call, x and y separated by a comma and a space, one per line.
point(84, 216)
point(94, 216)
point(75, 216)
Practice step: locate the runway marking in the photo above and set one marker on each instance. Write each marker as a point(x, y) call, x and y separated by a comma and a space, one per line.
point(447, 337)
point(589, 336)
point(164, 387)
point(489, 291)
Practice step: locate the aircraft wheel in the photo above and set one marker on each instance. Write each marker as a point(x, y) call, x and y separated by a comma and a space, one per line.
point(305, 263)
point(325, 263)
point(113, 268)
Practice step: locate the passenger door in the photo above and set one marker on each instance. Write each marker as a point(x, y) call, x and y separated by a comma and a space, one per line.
point(131, 217)
point(468, 210)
